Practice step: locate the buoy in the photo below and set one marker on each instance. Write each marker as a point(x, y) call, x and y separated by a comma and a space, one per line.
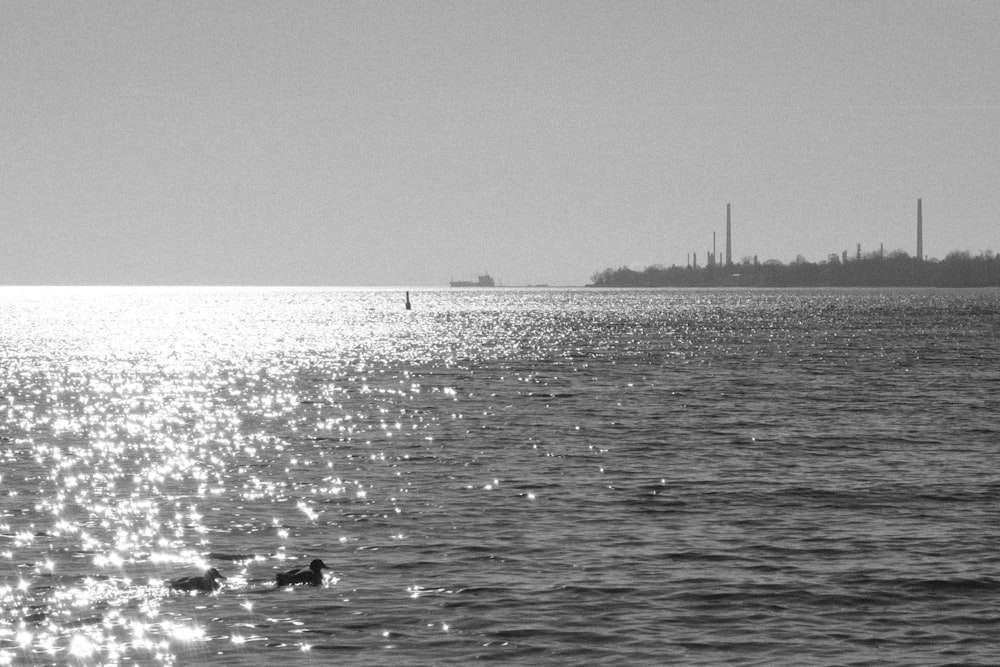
point(408, 307)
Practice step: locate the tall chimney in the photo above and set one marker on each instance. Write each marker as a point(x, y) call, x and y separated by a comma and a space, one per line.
point(729, 239)
point(920, 230)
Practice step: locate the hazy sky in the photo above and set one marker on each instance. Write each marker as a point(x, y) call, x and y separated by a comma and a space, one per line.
point(406, 143)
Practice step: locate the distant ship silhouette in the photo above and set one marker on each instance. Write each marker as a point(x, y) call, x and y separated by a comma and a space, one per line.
point(484, 280)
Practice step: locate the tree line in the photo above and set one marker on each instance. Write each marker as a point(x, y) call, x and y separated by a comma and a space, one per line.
point(898, 269)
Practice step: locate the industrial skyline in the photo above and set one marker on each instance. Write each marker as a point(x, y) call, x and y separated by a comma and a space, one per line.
point(713, 258)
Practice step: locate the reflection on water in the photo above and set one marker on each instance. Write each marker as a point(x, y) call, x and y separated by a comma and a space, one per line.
point(549, 475)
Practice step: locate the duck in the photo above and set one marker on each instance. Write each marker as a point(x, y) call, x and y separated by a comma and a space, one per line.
point(208, 582)
point(307, 574)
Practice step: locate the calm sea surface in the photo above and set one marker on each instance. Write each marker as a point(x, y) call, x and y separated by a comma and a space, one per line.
point(516, 476)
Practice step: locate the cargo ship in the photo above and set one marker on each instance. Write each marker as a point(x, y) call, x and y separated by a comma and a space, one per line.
point(484, 280)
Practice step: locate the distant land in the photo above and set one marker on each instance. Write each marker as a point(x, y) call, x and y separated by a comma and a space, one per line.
point(957, 269)
point(898, 269)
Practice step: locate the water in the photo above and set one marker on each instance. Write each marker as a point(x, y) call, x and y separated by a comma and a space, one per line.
point(525, 476)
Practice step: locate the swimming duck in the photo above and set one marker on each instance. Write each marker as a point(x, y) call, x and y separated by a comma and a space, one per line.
point(207, 582)
point(307, 574)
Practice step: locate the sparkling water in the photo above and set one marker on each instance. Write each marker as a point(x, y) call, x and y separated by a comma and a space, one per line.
point(525, 476)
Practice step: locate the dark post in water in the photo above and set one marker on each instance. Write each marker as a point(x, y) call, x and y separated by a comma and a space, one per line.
point(408, 301)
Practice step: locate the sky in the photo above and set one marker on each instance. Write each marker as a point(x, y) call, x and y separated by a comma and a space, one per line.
point(410, 143)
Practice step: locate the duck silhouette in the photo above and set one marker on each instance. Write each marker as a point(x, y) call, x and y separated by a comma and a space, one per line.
point(208, 582)
point(307, 574)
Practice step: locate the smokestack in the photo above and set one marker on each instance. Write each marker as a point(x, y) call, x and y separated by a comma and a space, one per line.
point(920, 230)
point(729, 239)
